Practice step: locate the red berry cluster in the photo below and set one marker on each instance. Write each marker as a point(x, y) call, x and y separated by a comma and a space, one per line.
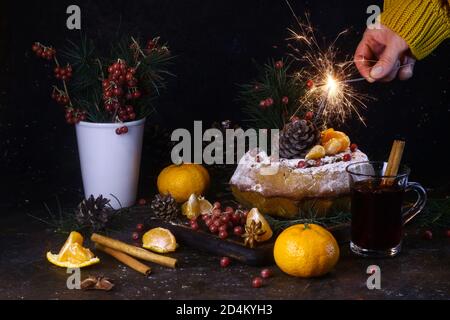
point(63, 73)
point(120, 87)
point(223, 222)
point(44, 52)
point(60, 97)
point(121, 131)
point(264, 104)
point(74, 116)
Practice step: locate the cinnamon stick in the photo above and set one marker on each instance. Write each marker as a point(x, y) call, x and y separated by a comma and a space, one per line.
point(394, 162)
point(126, 260)
point(134, 251)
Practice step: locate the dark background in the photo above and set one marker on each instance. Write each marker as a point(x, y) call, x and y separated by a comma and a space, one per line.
point(215, 42)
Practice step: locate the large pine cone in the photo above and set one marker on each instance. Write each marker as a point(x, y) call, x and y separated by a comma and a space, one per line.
point(165, 208)
point(297, 138)
point(94, 213)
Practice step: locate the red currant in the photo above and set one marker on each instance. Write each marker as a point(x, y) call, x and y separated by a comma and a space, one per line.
point(135, 236)
point(136, 95)
point(266, 273)
point(354, 147)
point(217, 205)
point(124, 130)
point(118, 131)
point(310, 84)
point(223, 228)
point(269, 102)
point(208, 222)
point(257, 283)
point(195, 226)
point(140, 227)
point(213, 229)
point(225, 262)
point(285, 101)
point(225, 219)
point(263, 104)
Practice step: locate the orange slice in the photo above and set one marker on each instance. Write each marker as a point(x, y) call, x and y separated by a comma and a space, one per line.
point(73, 254)
point(160, 240)
point(196, 206)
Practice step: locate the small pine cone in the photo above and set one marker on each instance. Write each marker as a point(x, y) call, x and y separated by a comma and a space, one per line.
point(297, 138)
point(165, 208)
point(94, 213)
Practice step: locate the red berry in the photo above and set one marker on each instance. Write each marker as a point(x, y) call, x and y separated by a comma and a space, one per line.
point(347, 158)
point(124, 130)
point(295, 119)
point(136, 95)
point(262, 104)
point(266, 273)
point(217, 205)
point(135, 236)
point(118, 131)
point(223, 228)
point(285, 101)
point(301, 165)
point(132, 116)
point(223, 235)
point(225, 219)
point(195, 226)
point(354, 147)
point(140, 227)
point(279, 64)
point(309, 116)
point(217, 223)
point(269, 102)
point(310, 84)
point(208, 222)
point(236, 219)
point(428, 235)
point(225, 262)
point(217, 213)
point(238, 231)
point(257, 283)
point(213, 229)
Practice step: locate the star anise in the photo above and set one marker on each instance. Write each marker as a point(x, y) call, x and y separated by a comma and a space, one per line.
point(97, 283)
point(252, 233)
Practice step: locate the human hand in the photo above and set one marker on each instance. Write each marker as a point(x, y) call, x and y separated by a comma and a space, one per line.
point(390, 52)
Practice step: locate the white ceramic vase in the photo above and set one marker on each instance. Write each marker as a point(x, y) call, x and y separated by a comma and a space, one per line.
point(110, 163)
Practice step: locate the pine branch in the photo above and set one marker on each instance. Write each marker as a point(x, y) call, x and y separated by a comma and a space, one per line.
point(277, 84)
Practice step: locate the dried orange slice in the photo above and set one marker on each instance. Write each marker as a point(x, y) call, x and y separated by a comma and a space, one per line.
point(160, 240)
point(73, 254)
point(255, 215)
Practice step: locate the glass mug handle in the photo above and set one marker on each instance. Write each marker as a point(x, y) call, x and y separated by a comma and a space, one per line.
point(417, 208)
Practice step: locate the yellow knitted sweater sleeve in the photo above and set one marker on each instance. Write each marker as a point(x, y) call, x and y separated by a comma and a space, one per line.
point(423, 24)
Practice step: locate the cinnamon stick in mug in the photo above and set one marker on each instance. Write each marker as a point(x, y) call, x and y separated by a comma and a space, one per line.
point(395, 160)
point(133, 251)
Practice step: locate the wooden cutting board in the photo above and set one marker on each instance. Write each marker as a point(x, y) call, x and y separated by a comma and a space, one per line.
point(233, 248)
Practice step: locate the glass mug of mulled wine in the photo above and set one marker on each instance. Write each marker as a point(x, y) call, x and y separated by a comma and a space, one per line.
point(378, 212)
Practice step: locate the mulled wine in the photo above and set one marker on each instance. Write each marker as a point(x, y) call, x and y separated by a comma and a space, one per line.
point(378, 215)
point(377, 221)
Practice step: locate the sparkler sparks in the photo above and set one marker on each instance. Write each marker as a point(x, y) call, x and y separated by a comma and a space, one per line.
point(332, 97)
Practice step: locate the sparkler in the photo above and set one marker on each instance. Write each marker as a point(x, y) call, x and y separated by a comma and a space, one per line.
point(331, 94)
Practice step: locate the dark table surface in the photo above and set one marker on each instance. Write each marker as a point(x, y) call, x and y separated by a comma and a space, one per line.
point(420, 272)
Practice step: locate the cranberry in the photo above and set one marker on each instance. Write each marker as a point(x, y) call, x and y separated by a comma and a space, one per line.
point(217, 223)
point(309, 116)
point(225, 219)
point(269, 102)
point(124, 130)
point(279, 64)
point(118, 131)
point(428, 235)
point(140, 227)
point(238, 231)
point(301, 165)
point(213, 229)
point(266, 273)
point(195, 226)
point(135, 236)
point(225, 262)
point(354, 147)
point(347, 158)
point(236, 218)
point(223, 228)
point(217, 213)
point(310, 84)
point(223, 235)
point(285, 101)
point(205, 217)
point(257, 283)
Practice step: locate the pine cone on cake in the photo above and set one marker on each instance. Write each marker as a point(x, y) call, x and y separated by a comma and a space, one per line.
point(165, 208)
point(297, 138)
point(94, 213)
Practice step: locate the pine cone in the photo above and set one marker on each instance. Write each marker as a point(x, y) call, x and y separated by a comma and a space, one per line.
point(94, 213)
point(297, 138)
point(165, 208)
